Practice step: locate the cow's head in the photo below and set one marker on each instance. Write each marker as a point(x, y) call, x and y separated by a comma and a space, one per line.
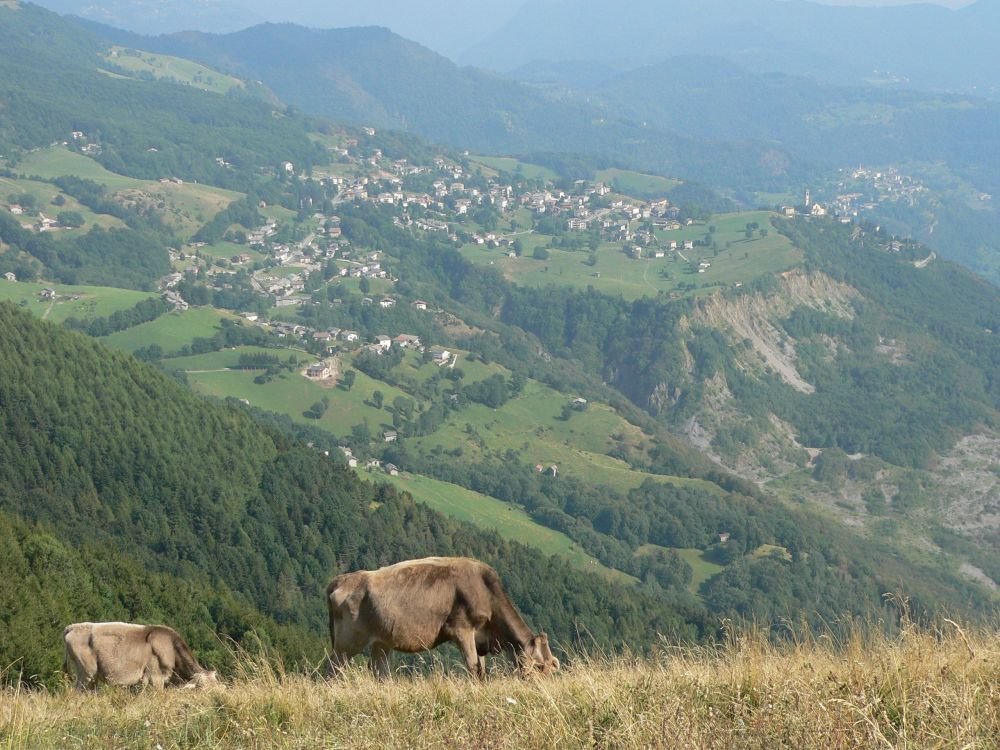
point(538, 658)
point(202, 679)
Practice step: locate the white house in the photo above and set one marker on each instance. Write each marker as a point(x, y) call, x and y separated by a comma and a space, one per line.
point(319, 370)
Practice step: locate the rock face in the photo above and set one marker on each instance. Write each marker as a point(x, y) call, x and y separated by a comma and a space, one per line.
point(764, 448)
point(754, 318)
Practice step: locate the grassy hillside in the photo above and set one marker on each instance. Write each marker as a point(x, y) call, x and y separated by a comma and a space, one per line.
point(924, 690)
point(736, 258)
point(183, 206)
point(139, 64)
point(78, 301)
point(98, 451)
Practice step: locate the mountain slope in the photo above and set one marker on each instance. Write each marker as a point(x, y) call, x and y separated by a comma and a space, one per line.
point(841, 44)
point(132, 128)
point(373, 77)
point(104, 452)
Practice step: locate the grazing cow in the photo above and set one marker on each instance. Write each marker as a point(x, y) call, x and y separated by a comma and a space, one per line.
point(123, 653)
point(419, 604)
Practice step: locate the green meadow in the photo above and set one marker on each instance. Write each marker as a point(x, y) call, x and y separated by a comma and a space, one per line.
point(513, 166)
point(507, 519)
point(530, 425)
point(184, 207)
point(703, 569)
point(44, 193)
point(293, 394)
point(735, 259)
point(56, 161)
point(173, 69)
point(83, 302)
point(170, 331)
point(636, 183)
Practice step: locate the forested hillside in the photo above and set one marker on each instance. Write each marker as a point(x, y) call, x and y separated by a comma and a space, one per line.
point(373, 77)
point(133, 128)
point(128, 469)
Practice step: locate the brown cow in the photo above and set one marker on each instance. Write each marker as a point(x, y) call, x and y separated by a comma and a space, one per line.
point(123, 653)
point(419, 604)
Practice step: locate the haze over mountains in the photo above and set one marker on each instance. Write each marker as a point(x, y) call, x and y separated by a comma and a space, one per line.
point(909, 45)
point(697, 117)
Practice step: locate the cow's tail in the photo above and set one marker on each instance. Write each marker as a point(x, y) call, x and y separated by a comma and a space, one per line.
point(330, 606)
point(68, 665)
point(332, 662)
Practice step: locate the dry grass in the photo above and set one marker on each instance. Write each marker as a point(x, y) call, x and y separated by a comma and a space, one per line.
point(923, 689)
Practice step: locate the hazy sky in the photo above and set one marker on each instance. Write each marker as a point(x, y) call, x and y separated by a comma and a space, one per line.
point(946, 3)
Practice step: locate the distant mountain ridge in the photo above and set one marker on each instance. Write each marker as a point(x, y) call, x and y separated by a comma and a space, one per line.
point(160, 16)
point(900, 45)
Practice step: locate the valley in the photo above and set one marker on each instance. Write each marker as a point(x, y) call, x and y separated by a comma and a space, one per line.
point(246, 347)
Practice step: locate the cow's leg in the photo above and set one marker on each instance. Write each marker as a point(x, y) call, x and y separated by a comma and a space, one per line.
point(380, 661)
point(466, 642)
point(346, 643)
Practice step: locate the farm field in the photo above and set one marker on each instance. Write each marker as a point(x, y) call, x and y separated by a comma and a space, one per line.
point(507, 519)
point(530, 424)
point(185, 207)
point(56, 161)
point(735, 260)
point(293, 394)
point(83, 302)
point(172, 69)
point(230, 358)
point(506, 164)
point(636, 183)
point(44, 193)
point(170, 331)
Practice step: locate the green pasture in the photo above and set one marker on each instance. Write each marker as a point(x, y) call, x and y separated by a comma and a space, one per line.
point(530, 426)
point(44, 193)
point(348, 286)
point(230, 358)
point(174, 69)
point(507, 519)
point(636, 183)
point(170, 331)
point(513, 166)
point(225, 250)
point(701, 567)
point(83, 302)
point(187, 207)
point(292, 393)
point(184, 207)
point(56, 161)
point(415, 369)
point(735, 259)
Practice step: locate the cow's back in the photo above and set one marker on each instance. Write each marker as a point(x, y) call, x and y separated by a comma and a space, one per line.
point(410, 606)
point(124, 657)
